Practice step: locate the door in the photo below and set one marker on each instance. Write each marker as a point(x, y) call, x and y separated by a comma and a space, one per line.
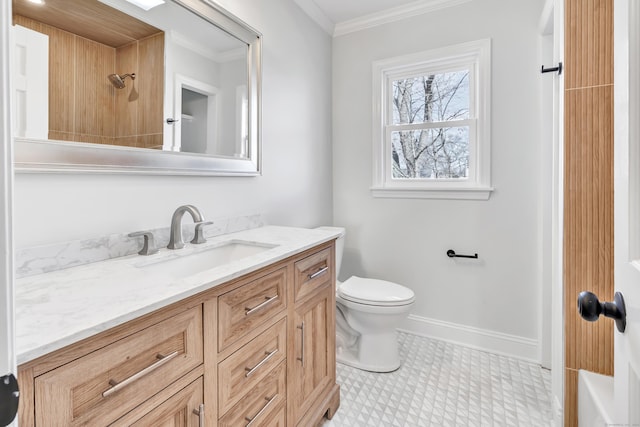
point(30, 83)
point(195, 117)
point(627, 206)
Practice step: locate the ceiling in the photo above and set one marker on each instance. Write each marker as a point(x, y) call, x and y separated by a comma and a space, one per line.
point(90, 19)
point(338, 17)
point(345, 10)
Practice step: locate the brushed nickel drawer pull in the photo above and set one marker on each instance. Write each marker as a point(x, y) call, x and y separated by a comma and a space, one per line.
point(267, 301)
point(301, 358)
point(268, 356)
point(264, 408)
point(319, 272)
point(117, 386)
point(200, 413)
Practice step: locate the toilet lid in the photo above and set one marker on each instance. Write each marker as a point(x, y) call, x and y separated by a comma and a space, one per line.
point(375, 292)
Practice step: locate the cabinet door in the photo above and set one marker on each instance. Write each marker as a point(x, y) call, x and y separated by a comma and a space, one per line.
point(180, 410)
point(312, 365)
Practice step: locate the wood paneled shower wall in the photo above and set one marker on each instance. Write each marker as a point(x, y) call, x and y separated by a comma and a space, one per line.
point(588, 188)
point(85, 107)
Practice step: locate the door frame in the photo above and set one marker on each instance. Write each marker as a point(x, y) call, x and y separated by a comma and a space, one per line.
point(552, 279)
point(7, 327)
point(627, 176)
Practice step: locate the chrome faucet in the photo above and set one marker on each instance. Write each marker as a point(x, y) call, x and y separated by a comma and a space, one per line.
point(175, 239)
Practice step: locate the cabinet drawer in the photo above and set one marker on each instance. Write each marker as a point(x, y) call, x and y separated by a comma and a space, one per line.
point(278, 420)
point(258, 407)
point(100, 387)
point(240, 310)
point(180, 410)
point(248, 366)
point(313, 272)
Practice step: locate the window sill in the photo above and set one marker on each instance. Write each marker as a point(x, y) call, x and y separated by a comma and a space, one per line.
point(468, 193)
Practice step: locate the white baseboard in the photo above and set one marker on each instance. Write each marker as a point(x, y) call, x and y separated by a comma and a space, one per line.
point(481, 339)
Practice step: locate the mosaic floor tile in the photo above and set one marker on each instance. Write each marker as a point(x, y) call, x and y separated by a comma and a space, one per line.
point(443, 384)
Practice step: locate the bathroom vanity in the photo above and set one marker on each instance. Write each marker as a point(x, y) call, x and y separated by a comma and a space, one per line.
point(248, 342)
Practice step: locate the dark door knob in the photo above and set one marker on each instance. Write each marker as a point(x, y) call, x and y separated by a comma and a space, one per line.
point(590, 308)
point(9, 397)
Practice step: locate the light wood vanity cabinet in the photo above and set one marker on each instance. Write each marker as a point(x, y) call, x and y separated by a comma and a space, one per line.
point(256, 351)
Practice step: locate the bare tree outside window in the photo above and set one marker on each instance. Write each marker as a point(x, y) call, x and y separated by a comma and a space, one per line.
point(426, 141)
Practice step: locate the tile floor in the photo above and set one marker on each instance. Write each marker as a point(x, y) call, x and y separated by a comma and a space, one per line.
point(443, 384)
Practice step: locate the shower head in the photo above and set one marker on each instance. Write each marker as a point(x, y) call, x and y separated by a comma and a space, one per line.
point(117, 80)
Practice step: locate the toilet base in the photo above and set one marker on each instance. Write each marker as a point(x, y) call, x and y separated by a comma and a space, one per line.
point(372, 352)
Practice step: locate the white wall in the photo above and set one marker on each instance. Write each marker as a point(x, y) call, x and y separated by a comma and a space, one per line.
point(295, 188)
point(493, 302)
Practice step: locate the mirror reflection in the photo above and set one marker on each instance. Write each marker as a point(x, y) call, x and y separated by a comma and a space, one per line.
point(111, 73)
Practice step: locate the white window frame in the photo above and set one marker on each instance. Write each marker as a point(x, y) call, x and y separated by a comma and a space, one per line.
point(475, 56)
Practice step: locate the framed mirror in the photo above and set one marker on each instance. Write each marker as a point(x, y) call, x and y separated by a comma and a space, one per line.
point(121, 86)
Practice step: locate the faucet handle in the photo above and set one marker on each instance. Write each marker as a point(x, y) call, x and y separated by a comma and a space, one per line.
point(149, 245)
point(198, 237)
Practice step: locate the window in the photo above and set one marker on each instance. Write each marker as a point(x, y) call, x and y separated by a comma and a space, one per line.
point(431, 124)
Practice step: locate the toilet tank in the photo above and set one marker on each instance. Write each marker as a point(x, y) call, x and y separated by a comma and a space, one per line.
point(339, 245)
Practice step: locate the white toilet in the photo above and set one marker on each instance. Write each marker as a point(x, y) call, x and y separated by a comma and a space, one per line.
point(368, 311)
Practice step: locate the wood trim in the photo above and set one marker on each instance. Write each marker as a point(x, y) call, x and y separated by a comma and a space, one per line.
point(588, 188)
point(588, 43)
point(571, 397)
point(588, 242)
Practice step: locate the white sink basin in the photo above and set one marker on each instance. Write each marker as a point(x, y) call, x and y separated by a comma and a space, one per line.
point(186, 264)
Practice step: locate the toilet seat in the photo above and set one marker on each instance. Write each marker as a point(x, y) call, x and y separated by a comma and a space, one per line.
point(375, 292)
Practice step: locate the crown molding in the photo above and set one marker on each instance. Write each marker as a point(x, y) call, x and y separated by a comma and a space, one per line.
point(391, 15)
point(315, 13)
point(206, 51)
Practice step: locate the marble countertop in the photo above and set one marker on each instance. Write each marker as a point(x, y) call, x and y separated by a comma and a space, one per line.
point(62, 307)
